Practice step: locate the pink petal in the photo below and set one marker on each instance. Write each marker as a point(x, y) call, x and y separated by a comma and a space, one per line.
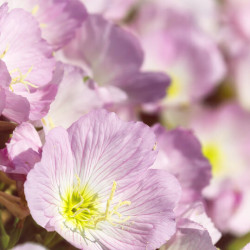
point(2, 100)
point(109, 51)
point(32, 52)
point(17, 108)
point(67, 17)
point(48, 179)
point(4, 75)
point(24, 148)
point(180, 154)
point(106, 148)
point(145, 87)
point(190, 236)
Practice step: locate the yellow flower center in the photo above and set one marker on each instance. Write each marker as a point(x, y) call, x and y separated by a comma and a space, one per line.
point(175, 87)
point(82, 208)
point(215, 157)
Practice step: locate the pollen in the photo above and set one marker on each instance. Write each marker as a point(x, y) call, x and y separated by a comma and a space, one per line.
point(21, 78)
point(83, 209)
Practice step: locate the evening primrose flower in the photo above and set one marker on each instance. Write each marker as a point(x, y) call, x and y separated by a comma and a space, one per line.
point(94, 188)
point(225, 137)
point(112, 58)
point(67, 17)
point(26, 68)
point(174, 43)
point(22, 152)
point(180, 154)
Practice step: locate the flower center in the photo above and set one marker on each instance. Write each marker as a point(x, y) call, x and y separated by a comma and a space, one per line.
point(175, 88)
point(82, 208)
point(215, 157)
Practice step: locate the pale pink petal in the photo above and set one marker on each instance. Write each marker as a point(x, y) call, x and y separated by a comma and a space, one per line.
point(144, 87)
point(106, 148)
point(58, 20)
point(24, 148)
point(190, 236)
point(50, 178)
point(180, 154)
point(152, 221)
point(32, 53)
point(109, 51)
point(17, 108)
point(196, 213)
point(5, 163)
point(4, 75)
point(73, 99)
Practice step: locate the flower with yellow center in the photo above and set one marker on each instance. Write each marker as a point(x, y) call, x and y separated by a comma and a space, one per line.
point(94, 186)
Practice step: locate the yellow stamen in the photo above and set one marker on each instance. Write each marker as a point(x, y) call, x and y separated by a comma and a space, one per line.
point(85, 210)
point(21, 79)
point(51, 123)
point(4, 52)
point(44, 122)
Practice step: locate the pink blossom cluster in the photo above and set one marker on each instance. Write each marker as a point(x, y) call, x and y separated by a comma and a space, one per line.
point(124, 124)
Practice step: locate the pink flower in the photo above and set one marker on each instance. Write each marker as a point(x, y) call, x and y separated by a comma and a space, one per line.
point(58, 20)
point(174, 43)
point(195, 230)
point(225, 138)
point(94, 187)
point(112, 58)
point(180, 154)
point(14, 107)
point(28, 69)
point(22, 152)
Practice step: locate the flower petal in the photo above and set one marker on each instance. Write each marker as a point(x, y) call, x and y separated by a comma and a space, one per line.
point(106, 149)
point(110, 51)
point(49, 178)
